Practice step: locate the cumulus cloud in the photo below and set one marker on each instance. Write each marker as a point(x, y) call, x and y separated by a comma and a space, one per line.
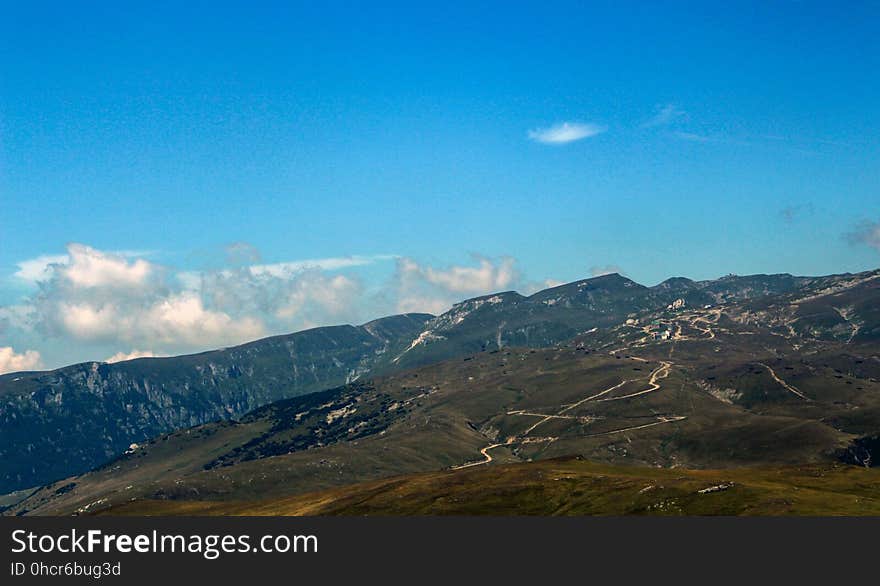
point(103, 297)
point(92, 266)
point(98, 296)
point(334, 295)
point(38, 269)
point(867, 233)
point(292, 299)
point(417, 303)
point(183, 318)
point(10, 361)
point(106, 299)
point(124, 307)
point(565, 132)
point(664, 115)
point(485, 277)
point(123, 356)
point(433, 290)
point(180, 320)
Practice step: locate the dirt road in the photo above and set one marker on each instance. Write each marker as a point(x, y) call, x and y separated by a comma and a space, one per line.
point(784, 384)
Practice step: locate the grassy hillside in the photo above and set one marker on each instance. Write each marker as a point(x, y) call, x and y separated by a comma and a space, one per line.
point(571, 487)
point(671, 405)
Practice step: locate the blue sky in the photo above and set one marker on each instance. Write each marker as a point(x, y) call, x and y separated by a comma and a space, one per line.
point(174, 148)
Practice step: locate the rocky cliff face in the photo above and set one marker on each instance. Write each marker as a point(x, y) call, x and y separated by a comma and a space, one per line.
point(75, 418)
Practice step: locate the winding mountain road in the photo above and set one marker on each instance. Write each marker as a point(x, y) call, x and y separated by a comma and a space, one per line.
point(661, 372)
point(486, 455)
point(785, 384)
point(661, 420)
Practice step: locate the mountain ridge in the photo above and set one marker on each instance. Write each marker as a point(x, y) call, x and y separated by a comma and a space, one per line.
point(96, 410)
point(78, 416)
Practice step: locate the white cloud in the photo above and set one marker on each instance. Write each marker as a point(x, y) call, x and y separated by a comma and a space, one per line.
point(85, 321)
point(176, 321)
point(85, 266)
point(12, 362)
point(104, 298)
point(413, 303)
point(287, 300)
point(101, 302)
point(565, 132)
point(434, 290)
point(286, 269)
point(194, 280)
point(692, 137)
point(123, 356)
point(664, 115)
point(334, 295)
point(92, 268)
point(487, 277)
point(183, 318)
point(39, 269)
point(101, 297)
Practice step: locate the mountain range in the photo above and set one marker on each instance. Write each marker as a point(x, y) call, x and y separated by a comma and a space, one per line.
point(761, 370)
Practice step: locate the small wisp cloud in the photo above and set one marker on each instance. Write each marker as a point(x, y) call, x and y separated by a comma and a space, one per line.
point(694, 137)
point(664, 116)
point(565, 132)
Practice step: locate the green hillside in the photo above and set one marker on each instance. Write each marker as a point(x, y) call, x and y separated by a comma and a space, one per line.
point(571, 487)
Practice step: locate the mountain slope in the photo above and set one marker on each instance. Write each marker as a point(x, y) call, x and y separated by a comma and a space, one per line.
point(546, 318)
point(560, 313)
point(570, 487)
point(723, 390)
point(76, 418)
point(72, 419)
